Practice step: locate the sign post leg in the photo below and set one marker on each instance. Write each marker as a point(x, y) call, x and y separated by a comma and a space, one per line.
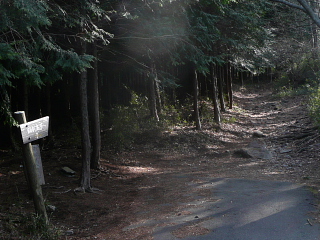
point(32, 172)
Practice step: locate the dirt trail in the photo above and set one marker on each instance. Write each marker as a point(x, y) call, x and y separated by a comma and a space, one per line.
point(146, 185)
point(163, 172)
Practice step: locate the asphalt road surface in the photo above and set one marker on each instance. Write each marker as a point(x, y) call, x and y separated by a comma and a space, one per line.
point(242, 209)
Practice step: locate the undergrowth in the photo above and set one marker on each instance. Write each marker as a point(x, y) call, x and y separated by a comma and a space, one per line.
point(125, 125)
point(314, 106)
point(27, 226)
point(289, 91)
point(310, 89)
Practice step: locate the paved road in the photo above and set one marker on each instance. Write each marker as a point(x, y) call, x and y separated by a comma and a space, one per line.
point(244, 210)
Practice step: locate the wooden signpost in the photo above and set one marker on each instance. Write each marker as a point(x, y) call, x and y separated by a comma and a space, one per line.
point(37, 156)
point(31, 131)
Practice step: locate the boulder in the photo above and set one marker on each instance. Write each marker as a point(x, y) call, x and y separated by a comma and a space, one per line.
point(255, 149)
point(258, 134)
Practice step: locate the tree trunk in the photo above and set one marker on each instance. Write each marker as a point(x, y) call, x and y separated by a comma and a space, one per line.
point(229, 85)
point(95, 115)
point(67, 88)
point(196, 100)
point(85, 181)
point(158, 96)
point(48, 107)
point(305, 7)
point(152, 92)
point(26, 98)
point(220, 89)
point(217, 115)
point(241, 75)
point(314, 30)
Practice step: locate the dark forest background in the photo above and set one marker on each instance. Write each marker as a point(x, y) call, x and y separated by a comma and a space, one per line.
point(112, 69)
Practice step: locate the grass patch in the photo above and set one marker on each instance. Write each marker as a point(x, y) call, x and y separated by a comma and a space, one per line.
point(229, 120)
point(291, 92)
point(27, 226)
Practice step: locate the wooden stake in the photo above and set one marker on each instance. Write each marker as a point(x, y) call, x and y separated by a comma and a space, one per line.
point(34, 183)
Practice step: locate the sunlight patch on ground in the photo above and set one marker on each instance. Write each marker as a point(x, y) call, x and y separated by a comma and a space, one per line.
point(245, 96)
point(261, 115)
point(261, 211)
point(213, 147)
point(273, 173)
point(250, 164)
point(292, 109)
point(141, 169)
point(284, 124)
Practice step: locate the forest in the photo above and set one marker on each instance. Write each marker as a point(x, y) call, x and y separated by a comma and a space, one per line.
point(109, 72)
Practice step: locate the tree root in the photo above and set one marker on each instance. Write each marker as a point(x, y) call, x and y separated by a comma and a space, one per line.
point(305, 144)
point(86, 190)
point(301, 134)
point(301, 139)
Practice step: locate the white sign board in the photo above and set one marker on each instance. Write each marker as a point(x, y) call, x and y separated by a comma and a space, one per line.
point(34, 130)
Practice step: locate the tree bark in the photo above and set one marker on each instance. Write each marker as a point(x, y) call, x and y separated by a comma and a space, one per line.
point(217, 115)
point(85, 181)
point(289, 4)
point(312, 14)
point(314, 30)
point(95, 115)
point(229, 85)
point(196, 100)
point(152, 92)
point(158, 96)
point(48, 107)
point(67, 88)
point(220, 89)
point(26, 98)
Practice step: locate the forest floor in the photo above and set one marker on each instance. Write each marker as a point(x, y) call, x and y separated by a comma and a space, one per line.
point(151, 180)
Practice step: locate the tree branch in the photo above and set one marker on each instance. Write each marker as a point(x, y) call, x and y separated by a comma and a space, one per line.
point(315, 18)
point(305, 7)
point(290, 5)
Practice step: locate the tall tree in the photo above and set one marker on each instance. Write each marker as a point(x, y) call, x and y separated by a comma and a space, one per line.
point(35, 48)
point(196, 100)
point(95, 111)
point(153, 93)
point(28, 50)
point(85, 182)
point(82, 24)
point(213, 76)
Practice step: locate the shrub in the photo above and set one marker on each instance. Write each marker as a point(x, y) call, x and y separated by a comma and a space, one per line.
point(127, 124)
point(314, 106)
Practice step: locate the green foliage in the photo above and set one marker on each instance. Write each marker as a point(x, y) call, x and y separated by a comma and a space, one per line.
point(229, 120)
point(173, 116)
point(70, 61)
point(314, 106)
point(38, 40)
point(203, 36)
point(127, 123)
point(20, 16)
point(18, 224)
point(207, 112)
point(36, 228)
point(298, 78)
point(28, 226)
point(5, 109)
